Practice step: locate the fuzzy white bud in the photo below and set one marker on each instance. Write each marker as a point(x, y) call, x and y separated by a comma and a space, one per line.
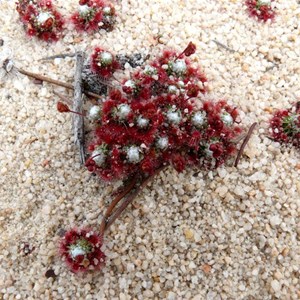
point(76, 251)
point(149, 70)
point(123, 110)
point(227, 119)
point(94, 113)
point(174, 116)
point(107, 10)
point(178, 66)
point(43, 17)
point(106, 58)
point(142, 122)
point(162, 143)
point(172, 89)
point(99, 156)
point(84, 9)
point(133, 154)
point(198, 119)
point(130, 83)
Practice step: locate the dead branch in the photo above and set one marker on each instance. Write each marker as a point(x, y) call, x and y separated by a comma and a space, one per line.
point(78, 121)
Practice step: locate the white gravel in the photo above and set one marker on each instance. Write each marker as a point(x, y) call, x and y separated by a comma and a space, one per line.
point(229, 234)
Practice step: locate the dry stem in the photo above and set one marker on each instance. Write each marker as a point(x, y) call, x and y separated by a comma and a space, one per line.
point(131, 195)
point(246, 140)
point(55, 82)
point(113, 204)
point(78, 122)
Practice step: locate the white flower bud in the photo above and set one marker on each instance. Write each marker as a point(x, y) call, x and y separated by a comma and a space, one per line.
point(178, 67)
point(198, 119)
point(84, 9)
point(172, 89)
point(133, 154)
point(123, 110)
point(106, 58)
point(142, 122)
point(43, 17)
point(99, 155)
point(162, 143)
point(94, 113)
point(76, 251)
point(149, 70)
point(174, 116)
point(227, 119)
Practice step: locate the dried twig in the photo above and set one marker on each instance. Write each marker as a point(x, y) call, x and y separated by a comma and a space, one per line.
point(246, 140)
point(115, 202)
point(63, 55)
point(55, 82)
point(78, 121)
point(130, 197)
point(63, 97)
point(223, 46)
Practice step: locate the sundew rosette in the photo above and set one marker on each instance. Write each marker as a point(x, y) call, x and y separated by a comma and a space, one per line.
point(41, 19)
point(285, 126)
point(93, 15)
point(159, 117)
point(81, 250)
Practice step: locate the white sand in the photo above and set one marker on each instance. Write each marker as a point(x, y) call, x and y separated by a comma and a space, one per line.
point(230, 234)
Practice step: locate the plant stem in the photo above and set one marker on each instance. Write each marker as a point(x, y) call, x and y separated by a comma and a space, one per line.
point(56, 82)
point(246, 140)
point(131, 197)
point(63, 97)
point(113, 204)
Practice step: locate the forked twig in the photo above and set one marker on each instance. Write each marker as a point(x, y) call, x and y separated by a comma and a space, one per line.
point(130, 197)
point(115, 202)
point(246, 140)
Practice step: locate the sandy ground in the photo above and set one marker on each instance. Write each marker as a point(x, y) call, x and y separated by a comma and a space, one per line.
point(229, 234)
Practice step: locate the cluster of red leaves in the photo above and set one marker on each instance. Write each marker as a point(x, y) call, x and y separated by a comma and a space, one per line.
point(285, 126)
point(40, 19)
point(81, 249)
point(93, 15)
point(103, 63)
point(158, 118)
point(261, 9)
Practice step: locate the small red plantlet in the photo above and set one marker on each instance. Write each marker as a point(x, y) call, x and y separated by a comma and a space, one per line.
point(189, 50)
point(93, 15)
point(81, 249)
point(63, 108)
point(285, 126)
point(103, 63)
point(261, 9)
point(41, 19)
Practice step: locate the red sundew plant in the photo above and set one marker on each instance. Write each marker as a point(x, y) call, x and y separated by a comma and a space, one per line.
point(93, 15)
point(81, 249)
point(157, 118)
point(41, 19)
point(285, 126)
point(261, 9)
point(103, 63)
